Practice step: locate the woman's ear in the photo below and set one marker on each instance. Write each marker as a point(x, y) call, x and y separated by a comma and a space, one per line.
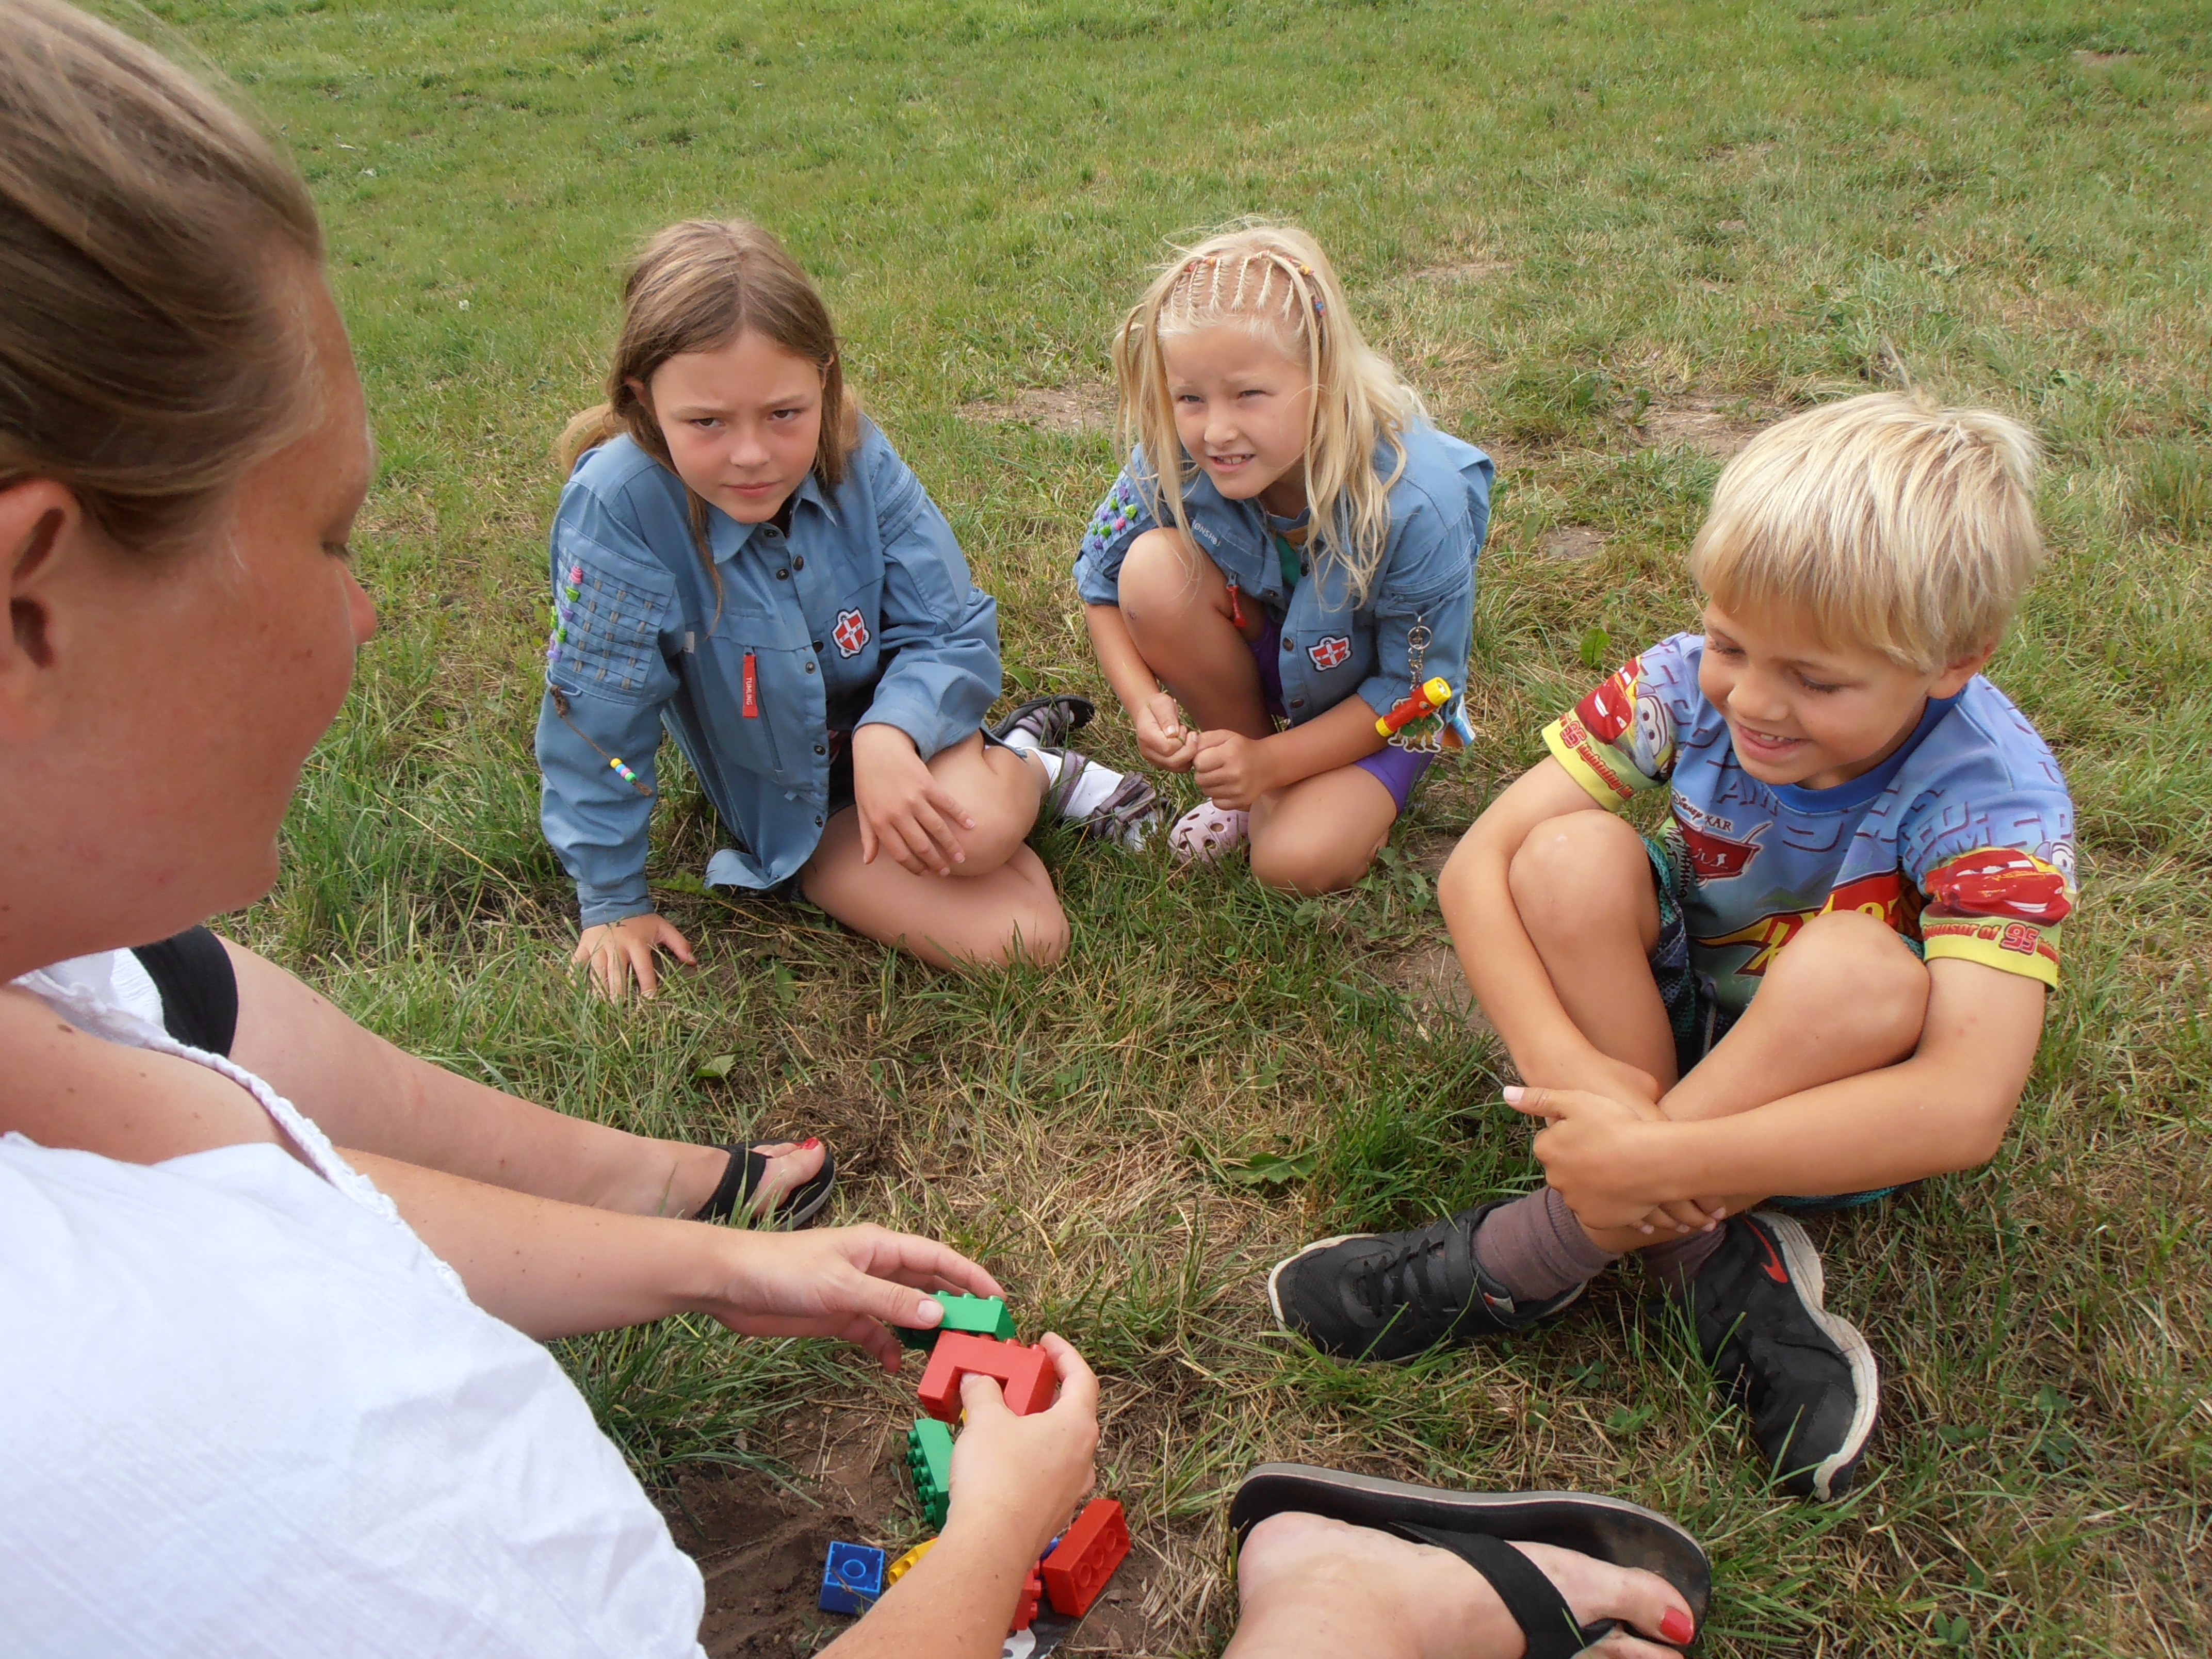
point(40, 523)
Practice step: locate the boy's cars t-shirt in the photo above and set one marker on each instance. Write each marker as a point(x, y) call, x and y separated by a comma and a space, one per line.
point(1963, 840)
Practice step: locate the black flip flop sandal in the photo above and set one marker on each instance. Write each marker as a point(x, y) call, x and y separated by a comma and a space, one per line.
point(1481, 1528)
point(742, 1179)
point(1061, 713)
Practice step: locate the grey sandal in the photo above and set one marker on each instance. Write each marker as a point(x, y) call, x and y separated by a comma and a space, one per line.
point(1124, 816)
point(1048, 719)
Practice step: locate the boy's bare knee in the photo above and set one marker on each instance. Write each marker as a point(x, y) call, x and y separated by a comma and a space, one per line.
point(1577, 866)
point(1854, 966)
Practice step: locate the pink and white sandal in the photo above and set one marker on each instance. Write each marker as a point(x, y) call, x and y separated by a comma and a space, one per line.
point(1208, 832)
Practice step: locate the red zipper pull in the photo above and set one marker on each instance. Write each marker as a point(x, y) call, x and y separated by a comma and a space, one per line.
point(1235, 610)
point(752, 689)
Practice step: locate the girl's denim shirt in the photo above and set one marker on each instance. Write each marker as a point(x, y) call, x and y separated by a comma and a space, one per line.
point(1439, 513)
point(862, 612)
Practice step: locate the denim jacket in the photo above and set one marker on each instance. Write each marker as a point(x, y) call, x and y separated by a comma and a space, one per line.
point(1439, 513)
point(864, 612)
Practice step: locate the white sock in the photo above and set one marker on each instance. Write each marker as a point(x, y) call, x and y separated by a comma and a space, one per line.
point(1026, 742)
point(1091, 789)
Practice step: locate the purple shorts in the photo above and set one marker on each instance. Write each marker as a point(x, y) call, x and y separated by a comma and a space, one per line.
point(1397, 769)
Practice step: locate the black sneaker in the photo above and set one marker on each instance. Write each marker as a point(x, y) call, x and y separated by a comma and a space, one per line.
point(1391, 1295)
point(1807, 1378)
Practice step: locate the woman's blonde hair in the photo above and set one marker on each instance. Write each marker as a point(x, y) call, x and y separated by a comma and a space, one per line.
point(696, 287)
point(1274, 281)
point(150, 354)
point(1882, 520)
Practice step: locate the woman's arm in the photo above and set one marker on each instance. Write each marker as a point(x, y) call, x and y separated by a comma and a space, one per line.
point(1015, 1482)
point(553, 1269)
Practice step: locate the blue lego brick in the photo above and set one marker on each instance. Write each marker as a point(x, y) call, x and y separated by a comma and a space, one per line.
point(851, 1578)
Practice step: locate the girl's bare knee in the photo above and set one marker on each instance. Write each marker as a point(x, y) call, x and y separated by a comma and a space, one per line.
point(1305, 869)
point(1160, 580)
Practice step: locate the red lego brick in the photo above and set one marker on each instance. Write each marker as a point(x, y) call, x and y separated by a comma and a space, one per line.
point(1025, 1375)
point(1089, 1552)
point(1025, 1610)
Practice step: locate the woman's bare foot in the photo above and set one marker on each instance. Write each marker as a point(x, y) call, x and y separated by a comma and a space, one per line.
point(1311, 1586)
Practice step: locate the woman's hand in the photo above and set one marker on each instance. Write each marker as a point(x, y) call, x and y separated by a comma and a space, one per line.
point(1025, 1475)
point(1233, 769)
point(1162, 738)
point(903, 810)
point(616, 950)
point(845, 1282)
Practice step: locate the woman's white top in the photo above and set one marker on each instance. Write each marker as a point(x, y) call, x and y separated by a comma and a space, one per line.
point(244, 1411)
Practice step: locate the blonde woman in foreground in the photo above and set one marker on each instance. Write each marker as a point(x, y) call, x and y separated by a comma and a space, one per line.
point(265, 1397)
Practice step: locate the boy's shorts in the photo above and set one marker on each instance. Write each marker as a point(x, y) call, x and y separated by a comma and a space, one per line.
point(1698, 1020)
point(1397, 769)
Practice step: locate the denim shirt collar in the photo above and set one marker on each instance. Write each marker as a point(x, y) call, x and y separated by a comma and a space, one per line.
point(728, 538)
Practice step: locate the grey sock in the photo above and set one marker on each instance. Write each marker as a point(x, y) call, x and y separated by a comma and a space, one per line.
point(1536, 1248)
point(1675, 1263)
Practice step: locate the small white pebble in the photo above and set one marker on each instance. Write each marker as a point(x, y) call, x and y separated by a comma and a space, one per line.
point(369, 173)
point(465, 305)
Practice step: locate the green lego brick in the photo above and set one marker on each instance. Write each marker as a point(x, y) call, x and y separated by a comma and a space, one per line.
point(929, 1460)
point(984, 1315)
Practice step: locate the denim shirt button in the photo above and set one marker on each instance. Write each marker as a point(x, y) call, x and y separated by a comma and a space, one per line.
point(821, 748)
point(817, 645)
point(1288, 642)
point(809, 668)
point(817, 820)
point(1297, 703)
point(798, 562)
point(782, 575)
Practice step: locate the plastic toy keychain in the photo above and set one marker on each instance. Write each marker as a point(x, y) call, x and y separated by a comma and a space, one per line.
point(1432, 717)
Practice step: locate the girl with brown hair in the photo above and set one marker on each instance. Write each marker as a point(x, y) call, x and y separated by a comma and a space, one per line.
point(740, 554)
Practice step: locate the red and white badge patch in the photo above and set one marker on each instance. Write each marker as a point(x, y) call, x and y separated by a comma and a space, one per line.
point(851, 633)
point(1330, 652)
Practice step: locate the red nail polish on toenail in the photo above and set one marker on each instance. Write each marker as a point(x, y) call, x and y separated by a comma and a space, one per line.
point(1676, 1625)
point(809, 1143)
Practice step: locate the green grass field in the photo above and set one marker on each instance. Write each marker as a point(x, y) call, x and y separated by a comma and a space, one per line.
point(1606, 240)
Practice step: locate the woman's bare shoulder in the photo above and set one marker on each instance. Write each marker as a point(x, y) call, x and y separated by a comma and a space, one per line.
point(63, 1087)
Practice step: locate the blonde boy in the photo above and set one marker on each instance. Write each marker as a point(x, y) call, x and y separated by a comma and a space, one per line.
point(1827, 977)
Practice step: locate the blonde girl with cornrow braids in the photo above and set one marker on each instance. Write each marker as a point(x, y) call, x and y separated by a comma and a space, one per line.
point(1287, 556)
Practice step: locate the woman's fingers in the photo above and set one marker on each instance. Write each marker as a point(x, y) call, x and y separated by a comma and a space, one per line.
point(1079, 1383)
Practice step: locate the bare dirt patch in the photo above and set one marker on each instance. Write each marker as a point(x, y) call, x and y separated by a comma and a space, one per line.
point(1431, 977)
point(1696, 420)
point(1081, 406)
point(760, 1546)
point(2101, 59)
point(1573, 543)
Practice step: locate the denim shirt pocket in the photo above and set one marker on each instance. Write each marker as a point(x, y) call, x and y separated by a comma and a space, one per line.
point(760, 693)
point(608, 614)
point(849, 640)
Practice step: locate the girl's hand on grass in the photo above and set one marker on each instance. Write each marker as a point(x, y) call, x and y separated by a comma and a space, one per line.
point(904, 810)
point(1162, 738)
point(616, 950)
point(850, 1283)
point(1233, 769)
point(1024, 1476)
